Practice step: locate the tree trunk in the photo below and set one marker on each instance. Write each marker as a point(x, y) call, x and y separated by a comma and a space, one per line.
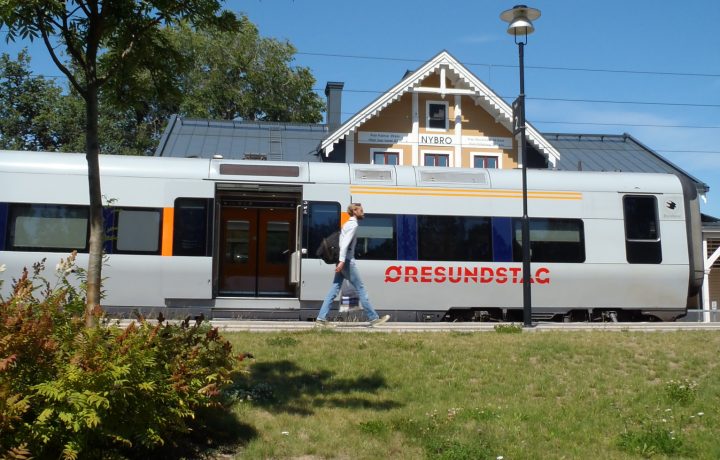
point(97, 237)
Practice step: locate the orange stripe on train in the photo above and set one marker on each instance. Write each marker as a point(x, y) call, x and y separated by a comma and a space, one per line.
point(167, 231)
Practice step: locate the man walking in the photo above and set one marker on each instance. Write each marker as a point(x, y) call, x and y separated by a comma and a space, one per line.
point(347, 269)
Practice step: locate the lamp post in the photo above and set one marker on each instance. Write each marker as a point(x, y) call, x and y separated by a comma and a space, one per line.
point(519, 20)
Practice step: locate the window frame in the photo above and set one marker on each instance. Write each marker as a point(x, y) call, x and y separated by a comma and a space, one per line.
point(496, 155)
point(310, 238)
point(489, 249)
point(397, 152)
point(436, 153)
point(632, 245)
point(393, 239)
point(116, 218)
point(12, 216)
point(427, 115)
point(517, 242)
point(181, 203)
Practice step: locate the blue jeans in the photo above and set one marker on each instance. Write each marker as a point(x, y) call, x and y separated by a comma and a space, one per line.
point(350, 273)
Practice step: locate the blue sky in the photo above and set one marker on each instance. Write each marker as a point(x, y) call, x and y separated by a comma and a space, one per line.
point(658, 62)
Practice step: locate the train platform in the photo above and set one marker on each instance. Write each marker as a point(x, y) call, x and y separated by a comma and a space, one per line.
point(295, 326)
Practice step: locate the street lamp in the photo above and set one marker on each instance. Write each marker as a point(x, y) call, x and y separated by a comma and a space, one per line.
point(520, 19)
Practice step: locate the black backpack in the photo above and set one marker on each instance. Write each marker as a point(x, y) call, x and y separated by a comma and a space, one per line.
point(329, 249)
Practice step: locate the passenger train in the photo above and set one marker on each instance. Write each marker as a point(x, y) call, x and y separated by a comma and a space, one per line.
point(237, 238)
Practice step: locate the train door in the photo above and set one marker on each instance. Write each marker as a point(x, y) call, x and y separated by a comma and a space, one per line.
point(257, 238)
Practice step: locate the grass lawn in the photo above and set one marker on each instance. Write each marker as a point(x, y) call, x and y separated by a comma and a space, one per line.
point(529, 395)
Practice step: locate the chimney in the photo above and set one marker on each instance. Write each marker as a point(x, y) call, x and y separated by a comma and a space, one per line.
point(333, 91)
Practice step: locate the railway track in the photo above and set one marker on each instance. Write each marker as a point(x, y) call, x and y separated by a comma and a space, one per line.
point(399, 327)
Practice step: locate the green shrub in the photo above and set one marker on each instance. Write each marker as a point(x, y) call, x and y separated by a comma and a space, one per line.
point(681, 391)
point(511, 328)
point(651, 438)
point(74, 392)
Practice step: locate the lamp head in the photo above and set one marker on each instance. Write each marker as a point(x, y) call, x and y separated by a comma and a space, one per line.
point(519, 20)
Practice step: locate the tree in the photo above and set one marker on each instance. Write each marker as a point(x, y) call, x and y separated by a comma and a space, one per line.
point(209, 74)
point(110, 43)
point(37, 114)
point(34, 114)
point(241, 75)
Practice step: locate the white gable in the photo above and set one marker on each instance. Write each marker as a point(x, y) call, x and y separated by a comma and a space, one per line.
point(467, 83)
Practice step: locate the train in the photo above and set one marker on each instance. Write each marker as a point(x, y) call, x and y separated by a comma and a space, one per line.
point(238, 238)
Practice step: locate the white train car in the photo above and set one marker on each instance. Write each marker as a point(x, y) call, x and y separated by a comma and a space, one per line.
point(238, 238)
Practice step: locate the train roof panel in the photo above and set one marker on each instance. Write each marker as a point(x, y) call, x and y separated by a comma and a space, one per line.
point(115, 165)
point(259, 171)
point(452, 177)
point(589, 181)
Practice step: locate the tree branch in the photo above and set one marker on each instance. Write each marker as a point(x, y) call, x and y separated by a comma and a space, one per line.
point(56, 60)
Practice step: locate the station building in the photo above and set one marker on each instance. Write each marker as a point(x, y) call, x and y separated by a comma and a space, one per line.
point(441, 115)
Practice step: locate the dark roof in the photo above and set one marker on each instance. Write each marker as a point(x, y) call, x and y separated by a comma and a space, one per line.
point(709, 220)
point(612, 152)
point(187, 137)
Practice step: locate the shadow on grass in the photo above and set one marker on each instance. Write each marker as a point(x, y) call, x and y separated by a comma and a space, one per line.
point(215, 431)
point(282, 386)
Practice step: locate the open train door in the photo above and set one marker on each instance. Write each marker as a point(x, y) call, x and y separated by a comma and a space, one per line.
point(257, 244)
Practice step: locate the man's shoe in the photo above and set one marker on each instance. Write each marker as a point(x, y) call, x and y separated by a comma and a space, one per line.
point(379, 321)
point(322, 323)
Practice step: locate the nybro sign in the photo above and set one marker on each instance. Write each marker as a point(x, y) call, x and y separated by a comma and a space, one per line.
point(442, 274)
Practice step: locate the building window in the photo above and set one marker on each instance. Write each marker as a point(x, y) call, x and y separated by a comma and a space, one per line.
point(437, 115)
point(486, 161)
point(385, 157)
point(436, 159)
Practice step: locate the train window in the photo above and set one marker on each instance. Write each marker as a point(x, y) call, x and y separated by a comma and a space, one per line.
point(3, 225)
point(376, 238)
point(642, 235)
point(551, 240)
point(138, 231)
point(321, 219)
point(190, 230)
point(47, 227)
point(454, 238)
point(277, 241)
point(237, 237)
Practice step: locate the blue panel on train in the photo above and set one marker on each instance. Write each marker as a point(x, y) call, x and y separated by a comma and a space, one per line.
point(407, 237)
point(3, 224)
point(110, 230)
point(502, 239)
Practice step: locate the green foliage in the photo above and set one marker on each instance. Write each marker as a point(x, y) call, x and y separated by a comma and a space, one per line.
point(203, 73)
point(681, 391)
point(511, 328)
point(238, 74)
point(282, 341)
point(650, 438)
point(34, 114)
point(80, 392)
point(439, 435)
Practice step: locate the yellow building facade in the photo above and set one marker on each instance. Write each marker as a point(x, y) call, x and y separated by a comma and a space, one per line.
point(439, 115)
